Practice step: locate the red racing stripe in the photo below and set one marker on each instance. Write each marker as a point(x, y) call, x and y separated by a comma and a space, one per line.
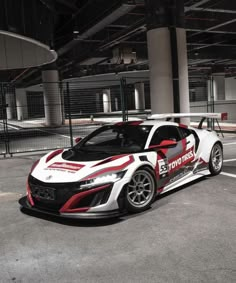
point(66, 166)
point(29, 197)
point(53, 154)
point(110, 169)
point(70, 205)
point(183, 126)
point(109, 159)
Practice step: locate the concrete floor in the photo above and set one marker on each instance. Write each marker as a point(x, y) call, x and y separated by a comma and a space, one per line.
point(188, 236)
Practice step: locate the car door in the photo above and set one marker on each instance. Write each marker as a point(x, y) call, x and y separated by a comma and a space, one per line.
point(171, 161)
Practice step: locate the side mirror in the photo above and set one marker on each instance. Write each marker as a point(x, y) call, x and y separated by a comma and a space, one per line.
point(164, 144)
point(78, 139)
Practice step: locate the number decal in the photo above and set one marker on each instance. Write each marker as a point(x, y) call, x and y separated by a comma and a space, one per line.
point(163, 168)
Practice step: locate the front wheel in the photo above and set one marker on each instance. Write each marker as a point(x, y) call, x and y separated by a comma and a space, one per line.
point(141, 191)
point(216, 160)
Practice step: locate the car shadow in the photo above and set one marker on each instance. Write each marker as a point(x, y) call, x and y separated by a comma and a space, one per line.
point(72, 222)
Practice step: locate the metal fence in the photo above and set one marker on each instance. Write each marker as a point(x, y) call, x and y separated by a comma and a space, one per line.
point(52, 115)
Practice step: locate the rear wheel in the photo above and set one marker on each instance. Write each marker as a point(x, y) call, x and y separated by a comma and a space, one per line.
point(140, 191)
point(216, 159)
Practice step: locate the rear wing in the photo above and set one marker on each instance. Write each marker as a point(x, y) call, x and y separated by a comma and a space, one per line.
point(203, 116)
point(168, 116)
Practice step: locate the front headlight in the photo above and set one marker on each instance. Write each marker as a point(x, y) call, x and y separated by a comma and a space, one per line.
point(109, 178)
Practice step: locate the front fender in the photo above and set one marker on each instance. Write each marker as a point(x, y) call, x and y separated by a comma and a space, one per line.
point(148, 159)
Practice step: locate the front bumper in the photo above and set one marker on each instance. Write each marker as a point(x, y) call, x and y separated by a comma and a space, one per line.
point(81, 215)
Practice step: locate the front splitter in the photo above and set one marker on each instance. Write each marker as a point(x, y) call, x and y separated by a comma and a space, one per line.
point(83, 215)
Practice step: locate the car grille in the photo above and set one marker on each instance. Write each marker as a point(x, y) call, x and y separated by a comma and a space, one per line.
point(51, 196)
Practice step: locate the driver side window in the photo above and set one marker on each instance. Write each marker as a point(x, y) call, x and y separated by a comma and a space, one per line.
point(165, 133)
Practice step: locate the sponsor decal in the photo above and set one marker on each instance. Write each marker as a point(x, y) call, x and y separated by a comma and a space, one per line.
point(49, 177)
point(181, 160)
point(185, 171)
point(66, 166)
point(163, 168)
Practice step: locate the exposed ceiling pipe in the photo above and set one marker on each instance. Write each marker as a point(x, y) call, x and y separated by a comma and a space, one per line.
point(214, 27)
point(117, 26)
point(195, 62)
point(49, 6)
point(66, 48)
point(209, 31)
point(206, 45)
point(122, 38)
point(19, 75)
point(222, 24)
point(200, 19)
point(186, 9)
point(222, 61)
point(112, 17)
point(217, 44)
point(26, 75)
point(214, 10)
point(119, 12)
point(137, 28)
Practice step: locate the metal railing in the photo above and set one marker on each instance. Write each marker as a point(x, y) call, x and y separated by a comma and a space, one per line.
point(31, 120)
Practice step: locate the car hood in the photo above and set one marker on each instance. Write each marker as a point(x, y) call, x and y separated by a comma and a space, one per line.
point(59, 170)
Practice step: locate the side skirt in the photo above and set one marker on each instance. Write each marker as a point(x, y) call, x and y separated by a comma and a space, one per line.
point(186, 179)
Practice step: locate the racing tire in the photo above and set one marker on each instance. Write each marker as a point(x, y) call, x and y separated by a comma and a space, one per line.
point(216, 159)
point(140, 191)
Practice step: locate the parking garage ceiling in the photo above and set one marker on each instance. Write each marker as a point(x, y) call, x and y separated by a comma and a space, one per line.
point(99, 36)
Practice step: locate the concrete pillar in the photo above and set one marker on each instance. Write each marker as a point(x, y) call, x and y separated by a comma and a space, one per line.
point(106, 96)
point(167, 52)
point(184, 99)
point(216, 87)
point(139, 96)
point(63, 114)
point(230, 87)
point(219, 86)
point(52, 99)
point(21, 104)
point(210, 96)
point(10, 101)
point(159, 56)
point(116, 104)
point(97, 101)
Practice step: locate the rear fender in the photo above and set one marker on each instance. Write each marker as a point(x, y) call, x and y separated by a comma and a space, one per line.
point(207, 141)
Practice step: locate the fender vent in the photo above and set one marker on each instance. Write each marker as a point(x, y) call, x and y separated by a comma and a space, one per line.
point(143, 158)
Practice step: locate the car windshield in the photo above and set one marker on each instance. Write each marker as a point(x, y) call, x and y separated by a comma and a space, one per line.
point(116, 139)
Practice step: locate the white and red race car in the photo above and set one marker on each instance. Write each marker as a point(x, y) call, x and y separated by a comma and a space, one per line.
point(122, 167)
